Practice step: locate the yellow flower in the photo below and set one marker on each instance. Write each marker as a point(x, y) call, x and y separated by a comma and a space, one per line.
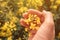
point(27, 21)
point(15, 29)
point(7, 29)
point(28, 1)
point(57, 1)
point(5, 26)
point(8, 33)
point(14, 19)
point(39, 2)
point(51, 0)
point(30, 18)
point(9, 38)
point(32, 26)
point(2, 34)
point(37, 27)
point(54, 7)
point(19, 38)
point(59, 35)
point(29, 34)
point(1, 11)
point(38, 20)
point(26, 29)
point(12, 25)
point(3, 4)
point(20, 3)
point(22, 9)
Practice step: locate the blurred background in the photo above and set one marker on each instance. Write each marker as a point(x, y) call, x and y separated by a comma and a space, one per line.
point(11, 11)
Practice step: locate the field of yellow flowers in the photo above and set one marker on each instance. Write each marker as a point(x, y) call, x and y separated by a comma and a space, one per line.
point(11, 12)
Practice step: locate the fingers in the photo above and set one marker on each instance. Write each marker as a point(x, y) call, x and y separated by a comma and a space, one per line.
point(33, 32)
point(48, 17)
point(31, 11)
point(35, 12)
point(23, 23)
point(25, 15)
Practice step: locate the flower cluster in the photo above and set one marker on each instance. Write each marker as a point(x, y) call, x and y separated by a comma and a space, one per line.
point(33, 22)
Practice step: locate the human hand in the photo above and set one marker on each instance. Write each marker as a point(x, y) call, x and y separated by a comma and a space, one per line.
point(46, 30)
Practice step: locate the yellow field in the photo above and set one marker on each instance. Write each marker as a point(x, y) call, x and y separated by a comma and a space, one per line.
point(11, 11)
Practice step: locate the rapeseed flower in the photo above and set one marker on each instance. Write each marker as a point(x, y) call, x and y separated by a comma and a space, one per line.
point(58, 2)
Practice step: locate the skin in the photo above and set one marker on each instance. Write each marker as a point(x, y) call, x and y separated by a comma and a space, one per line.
point(47, 28)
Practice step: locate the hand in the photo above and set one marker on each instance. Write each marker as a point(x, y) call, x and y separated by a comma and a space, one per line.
point(46, 30)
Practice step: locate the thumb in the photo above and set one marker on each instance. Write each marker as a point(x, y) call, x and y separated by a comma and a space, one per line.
point(46, 31)
point(48, 17)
